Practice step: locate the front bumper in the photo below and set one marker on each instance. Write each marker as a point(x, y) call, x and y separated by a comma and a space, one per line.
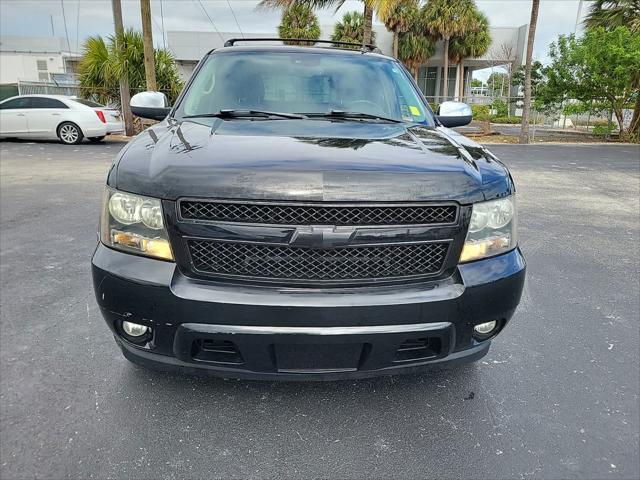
point(302, 333)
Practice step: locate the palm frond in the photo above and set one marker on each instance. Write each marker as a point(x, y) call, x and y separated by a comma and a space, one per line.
point(610, 14)
point(350, 29)
point(299, 21)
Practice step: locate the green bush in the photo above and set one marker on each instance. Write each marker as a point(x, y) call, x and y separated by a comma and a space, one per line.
point(480, 112)
point(509, 120)
point(501, 108)
point(602, 130)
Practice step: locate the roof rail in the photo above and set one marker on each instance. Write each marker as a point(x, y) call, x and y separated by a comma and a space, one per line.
point(363, 48)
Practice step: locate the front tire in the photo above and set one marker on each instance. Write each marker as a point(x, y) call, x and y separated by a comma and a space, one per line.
point(69, 133)
point(96, 139)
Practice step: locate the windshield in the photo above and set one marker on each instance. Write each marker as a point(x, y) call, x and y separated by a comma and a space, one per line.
point(300, 82)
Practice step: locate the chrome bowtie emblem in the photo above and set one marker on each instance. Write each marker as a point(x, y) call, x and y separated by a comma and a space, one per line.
point(322, 237)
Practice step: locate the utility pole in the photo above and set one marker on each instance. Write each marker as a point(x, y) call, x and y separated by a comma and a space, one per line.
point(124, 82)
point(147, 36)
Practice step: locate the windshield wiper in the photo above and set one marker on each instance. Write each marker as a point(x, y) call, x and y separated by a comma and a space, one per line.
point(342, 114)
point(236, 113)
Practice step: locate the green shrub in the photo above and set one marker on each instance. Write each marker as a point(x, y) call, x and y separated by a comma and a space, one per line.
point(602, 130)
point(509, 120)
point(480, 112)
point(501, 108)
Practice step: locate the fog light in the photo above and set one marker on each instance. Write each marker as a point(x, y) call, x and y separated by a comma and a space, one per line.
point(134, 329)
point(485, 328)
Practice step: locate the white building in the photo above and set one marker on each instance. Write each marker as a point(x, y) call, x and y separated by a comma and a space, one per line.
point(33, 58)
point(508, 47)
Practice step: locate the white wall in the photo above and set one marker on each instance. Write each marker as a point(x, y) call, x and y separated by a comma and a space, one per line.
point(23, 66)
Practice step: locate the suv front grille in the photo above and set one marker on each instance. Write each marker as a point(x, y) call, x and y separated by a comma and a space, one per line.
point(318, 214)
point(273, 262)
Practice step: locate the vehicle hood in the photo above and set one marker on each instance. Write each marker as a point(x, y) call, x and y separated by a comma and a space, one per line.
point(312, 160)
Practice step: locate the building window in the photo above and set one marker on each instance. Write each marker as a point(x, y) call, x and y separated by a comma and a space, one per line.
point(452, 83)
point(43, 70)
point(430, 87)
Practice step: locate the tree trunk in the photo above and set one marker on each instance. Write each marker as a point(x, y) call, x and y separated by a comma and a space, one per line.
point(446, 68)
point(368, 23)
point(526, 110)
point(147, 38)
point(634, 126)
point(125, 96)
point(395, 44)
point(617, 110)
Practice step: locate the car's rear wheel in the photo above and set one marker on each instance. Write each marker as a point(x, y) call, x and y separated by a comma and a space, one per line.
point(70, 133)
point(96, 139)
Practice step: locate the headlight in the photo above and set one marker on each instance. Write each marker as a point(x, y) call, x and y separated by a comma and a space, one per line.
point(492, 229)
point(134, 224)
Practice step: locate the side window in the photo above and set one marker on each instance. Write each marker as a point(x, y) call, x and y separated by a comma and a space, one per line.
point(21, 102)
point(41, 102)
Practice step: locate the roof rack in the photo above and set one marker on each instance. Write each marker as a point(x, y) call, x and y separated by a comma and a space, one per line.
point(363, 48)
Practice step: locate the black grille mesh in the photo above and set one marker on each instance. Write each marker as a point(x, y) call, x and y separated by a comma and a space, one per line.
point(301, 263)
point(318, 215)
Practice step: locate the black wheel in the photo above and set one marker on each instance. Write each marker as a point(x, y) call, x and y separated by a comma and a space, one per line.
point(70, 133)
point(96, 139)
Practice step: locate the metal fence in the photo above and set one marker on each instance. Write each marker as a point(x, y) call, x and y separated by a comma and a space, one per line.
point(47, 88)
point(592, 117)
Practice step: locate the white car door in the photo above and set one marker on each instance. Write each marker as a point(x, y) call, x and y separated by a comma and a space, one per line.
point(45, 115)
point(13, 116)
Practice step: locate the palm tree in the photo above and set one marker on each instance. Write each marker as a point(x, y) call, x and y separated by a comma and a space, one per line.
point(526, 109)
point(383, 7)
point(350, 29)
point(299, 21)
point(414, 50)
point(446, 19)
point(474, 43)
point(610, 14)
point(103, 65)
point(95, 79)
point(400, 19)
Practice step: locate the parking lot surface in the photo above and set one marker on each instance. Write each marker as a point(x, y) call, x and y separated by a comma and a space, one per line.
point(556, 397)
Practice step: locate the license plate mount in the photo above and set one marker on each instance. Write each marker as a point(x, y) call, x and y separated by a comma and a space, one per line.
point(319, 358)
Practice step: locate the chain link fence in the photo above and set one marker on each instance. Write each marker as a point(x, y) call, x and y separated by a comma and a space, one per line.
point(46, 88)
point(594, 117)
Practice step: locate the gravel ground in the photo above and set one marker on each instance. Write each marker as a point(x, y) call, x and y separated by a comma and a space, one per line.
point(557, 396)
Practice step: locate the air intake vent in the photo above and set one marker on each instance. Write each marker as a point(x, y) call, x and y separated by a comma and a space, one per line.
point(288, 214)
point(415, 349)
point(216, 351)
point(332, 264)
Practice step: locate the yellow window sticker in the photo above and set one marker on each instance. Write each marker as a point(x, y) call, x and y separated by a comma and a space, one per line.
point(415, 111)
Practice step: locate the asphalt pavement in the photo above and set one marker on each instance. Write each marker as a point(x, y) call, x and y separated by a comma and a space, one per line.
point(556, 397)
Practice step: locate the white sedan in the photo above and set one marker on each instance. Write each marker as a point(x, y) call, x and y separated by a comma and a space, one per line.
point(49, 117)
point(115, 124)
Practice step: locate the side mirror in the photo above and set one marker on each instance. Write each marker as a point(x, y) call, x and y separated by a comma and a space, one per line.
point(454, 114)
point(151, 105)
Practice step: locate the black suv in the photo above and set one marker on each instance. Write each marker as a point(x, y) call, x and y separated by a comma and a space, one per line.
point(301, 213)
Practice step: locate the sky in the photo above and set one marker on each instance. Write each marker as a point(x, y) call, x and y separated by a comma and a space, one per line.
point(94, 17)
